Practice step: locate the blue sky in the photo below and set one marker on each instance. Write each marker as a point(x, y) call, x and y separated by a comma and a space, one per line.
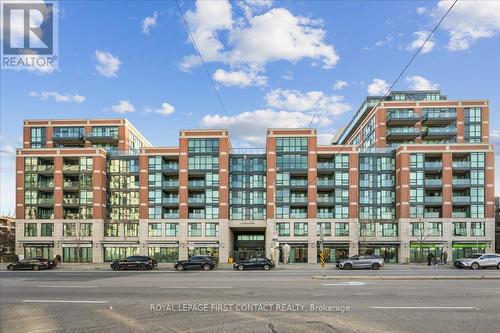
point(273, 62)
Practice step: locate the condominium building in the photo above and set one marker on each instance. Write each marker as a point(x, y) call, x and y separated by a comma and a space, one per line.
point(409, 174)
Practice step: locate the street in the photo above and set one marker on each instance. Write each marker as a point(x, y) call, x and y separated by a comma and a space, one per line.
point(251, 301)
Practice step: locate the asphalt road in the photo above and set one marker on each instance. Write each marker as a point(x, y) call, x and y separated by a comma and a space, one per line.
point(250, 301)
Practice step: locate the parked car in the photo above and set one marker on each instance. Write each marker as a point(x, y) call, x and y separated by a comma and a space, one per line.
point(32, 264)
point(484, 261)
point(50, 263)
point(361, 261)
point(204, 262)
point(134, 262)
point(457, 262)
point(254, 263)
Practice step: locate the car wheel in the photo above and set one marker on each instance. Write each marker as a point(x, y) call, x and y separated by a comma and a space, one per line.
point(266, 267)
point(474, 265)
point(206, 267)
point(142, 267)
point(11, 268)
point(36, 268)
point(348, 266)
point(375, 266)
point(179, 268)
point(498, 266)
point(240, 268)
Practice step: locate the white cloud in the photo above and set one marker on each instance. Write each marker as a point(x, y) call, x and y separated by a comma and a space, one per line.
point(239, 78)
point(149, 22)
point(326, 138)
point(123, 106)
point(387, 40)
point(339, 84)
point(166, 109)
point(251, 126)
point(107, 64)
point(378, 87)
point(44, 95)
point(251, 7)
point(293, 100)
point(469, 21)
point(421, 10)
point(419, 39)
point(7, 151)
point(256, 40)
point(420, 83)
point(288, 75)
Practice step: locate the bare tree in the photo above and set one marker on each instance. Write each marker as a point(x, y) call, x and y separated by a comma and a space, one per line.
point(421, 236)
point(365, 237)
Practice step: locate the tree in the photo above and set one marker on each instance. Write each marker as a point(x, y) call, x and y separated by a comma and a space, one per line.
point(7, 237)
point(421, 236)
point(365, 236)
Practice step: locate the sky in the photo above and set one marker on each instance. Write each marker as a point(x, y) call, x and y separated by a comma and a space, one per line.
point(273, 64)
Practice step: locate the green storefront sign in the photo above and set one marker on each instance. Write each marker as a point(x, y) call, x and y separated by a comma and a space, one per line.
point(424, 245)
point(469, 245)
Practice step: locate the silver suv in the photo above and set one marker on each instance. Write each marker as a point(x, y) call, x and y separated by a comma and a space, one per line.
point(484, 261)
point(361, 261)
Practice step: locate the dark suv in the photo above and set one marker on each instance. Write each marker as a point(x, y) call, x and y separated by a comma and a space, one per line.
point(204, 262)
point(254, 263)
point(134, 262)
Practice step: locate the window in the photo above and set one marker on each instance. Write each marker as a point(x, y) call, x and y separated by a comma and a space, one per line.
point(341, 178)
point(416, 178)
point(477, 211)
point(111, 229)
point(203, 145)
point(341, 229)
point(194, 229)
point(367, 229)
point(203, 162)
point(417, 161)
point(291, 144)
point(288, 162)
point(435, 229)
point(86, 229)
point(211, 229)
point(86, 163)
point(300, 229)
point(477, 194)
point(417, 229)
point(47, 229)
point(69, 229)
point(417, 195)
point(68, 132)
point(86, 197)
point(477, 160)
point(171, 229)
point(326, 227)
point(389, 230)
point(477, 177)
point(37, 137)
point(154, 229)
point(474, 114)
point(131, 229)
point(459, 229)
point(341, 211)
point(30, 230)
point(341, 161)
point(283, 228)
point(477, 229)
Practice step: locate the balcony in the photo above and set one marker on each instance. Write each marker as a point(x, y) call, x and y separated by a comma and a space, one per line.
point(170, 215)
point(433, 200)
point(71, 201)
point(196, 201)
point(41, 168)
point(196, 183)
point(325, 183)
point(461, 215)
point(433, 182)
point(170, 183)
point(461, 165)
point(460, 200)
point(102, 137)
point(298, 215)
point(433, 215)
point(326, 166)
point(326, 200)
point(71, 138)
point(45, 201)
point(71, 185)
point(196, 215)
point(301, 183)
point(71, 168)
point(71, 216)
point(435, 165)
point(402, 118)
point(439, 118)
point(170, 167)
point(461, 182)
point(41, 185)
point(322, 215)
point(399, 133)
point(170, 201)
point(440, 132)
point(298, 200)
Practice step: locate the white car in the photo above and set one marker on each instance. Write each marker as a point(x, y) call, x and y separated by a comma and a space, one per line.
point(484, 261)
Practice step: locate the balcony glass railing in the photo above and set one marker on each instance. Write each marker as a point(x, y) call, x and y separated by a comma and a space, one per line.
point(326, 199)
point(40, 167)
point(461, 164)
point(45, 201)
point(171, 215)
point(170, 200)
point(434, 199)
point(460, 215)
point(439, 130)
point(432, 214)
point(298, 182)
point(440, 115)
point(461, 181)
point(326, 182)
point(403, 115)
point(100, 134)
point(40, 184)
point(196, 215)
point(170, 183)
point(196, 200)
point(71, 167)
point(326, 165)
point(460, 199)
point(170, 167)
point(326, 215)
point(298, 199)
point(68, 184)
point(403, 130)
point(71, 201)
point(66, 135)
point(196, 183)
point(433, 165)
point(433, 182)
point(298, 215)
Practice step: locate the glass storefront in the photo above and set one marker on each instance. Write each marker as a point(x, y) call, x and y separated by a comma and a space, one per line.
point(419, 253)
point(245, 253)
point(119, 253)
point(298, 253)
point(38, 250)
point(75, 254)
point(333, 253)
point(164, 254)
point(205, 251)
point(465, 250)
point(389, 253)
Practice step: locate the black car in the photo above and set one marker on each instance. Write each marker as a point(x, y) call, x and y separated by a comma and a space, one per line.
point(50, 263)
point(32, 264)
point(254, 263)
point(134, 262)
point(204, 262)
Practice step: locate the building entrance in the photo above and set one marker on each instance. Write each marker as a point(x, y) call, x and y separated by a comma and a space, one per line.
point(249, 245)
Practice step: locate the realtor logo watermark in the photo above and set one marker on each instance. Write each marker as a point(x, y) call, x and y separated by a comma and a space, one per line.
point(29, 35)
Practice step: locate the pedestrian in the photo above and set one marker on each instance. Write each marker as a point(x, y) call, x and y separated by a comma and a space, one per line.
point(429, 258)
point(445, 257)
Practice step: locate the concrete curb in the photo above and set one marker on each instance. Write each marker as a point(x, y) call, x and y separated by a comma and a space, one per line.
point(397, 277)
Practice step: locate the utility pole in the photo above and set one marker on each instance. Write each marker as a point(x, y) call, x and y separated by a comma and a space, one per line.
point(321, 255)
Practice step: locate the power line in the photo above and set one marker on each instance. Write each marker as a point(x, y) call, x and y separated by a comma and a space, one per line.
point(219, 98)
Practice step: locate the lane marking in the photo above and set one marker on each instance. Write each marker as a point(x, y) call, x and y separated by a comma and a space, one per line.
point(348, 283)
point(426, 307)
point(196, 287)
point(60, 301)
point(67, 287)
